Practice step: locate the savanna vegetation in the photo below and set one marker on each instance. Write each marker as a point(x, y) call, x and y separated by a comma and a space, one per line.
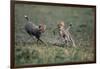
point(28, 52)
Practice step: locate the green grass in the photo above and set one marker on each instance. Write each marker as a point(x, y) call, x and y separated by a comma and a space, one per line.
point(33, 54)
point(82, 30)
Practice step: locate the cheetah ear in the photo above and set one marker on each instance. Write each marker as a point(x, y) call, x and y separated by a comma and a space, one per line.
point(70, 24)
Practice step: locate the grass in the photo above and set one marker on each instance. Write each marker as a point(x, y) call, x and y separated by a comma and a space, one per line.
point(82, 30)
point(33, 54)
